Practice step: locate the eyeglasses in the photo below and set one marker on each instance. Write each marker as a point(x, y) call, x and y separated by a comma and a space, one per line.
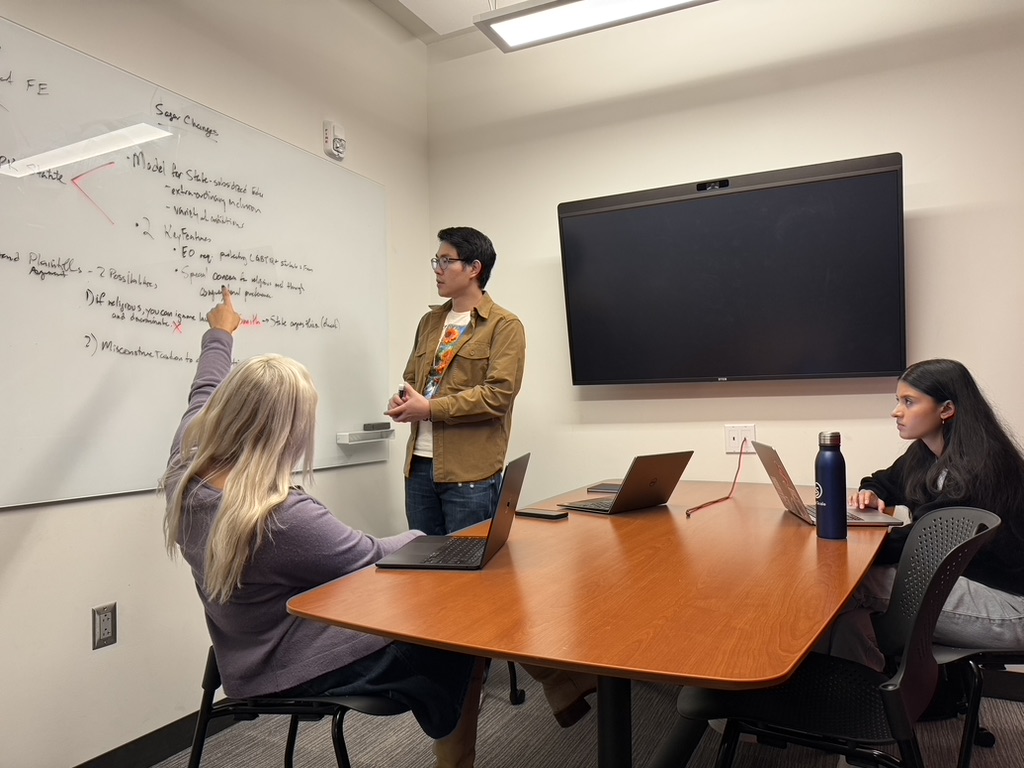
point(443, 262)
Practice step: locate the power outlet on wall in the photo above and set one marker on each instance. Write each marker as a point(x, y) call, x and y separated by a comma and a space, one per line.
point(104, 625)
point(735, 434)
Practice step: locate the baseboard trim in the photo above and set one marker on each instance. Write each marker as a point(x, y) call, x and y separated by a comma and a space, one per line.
point(156, 746)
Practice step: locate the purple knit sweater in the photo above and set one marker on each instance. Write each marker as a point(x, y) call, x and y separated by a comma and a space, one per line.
point(260, 647)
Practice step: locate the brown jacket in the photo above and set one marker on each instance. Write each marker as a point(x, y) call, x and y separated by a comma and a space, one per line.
point(471, 412)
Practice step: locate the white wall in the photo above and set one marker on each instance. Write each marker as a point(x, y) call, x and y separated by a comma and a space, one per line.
point(735, 87)
point(282, 67)
point(731, 87)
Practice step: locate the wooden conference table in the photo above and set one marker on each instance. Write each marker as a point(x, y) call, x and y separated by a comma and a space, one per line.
point(733, 597)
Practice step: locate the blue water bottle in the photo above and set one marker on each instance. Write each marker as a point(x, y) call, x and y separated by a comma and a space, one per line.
point(830, 487)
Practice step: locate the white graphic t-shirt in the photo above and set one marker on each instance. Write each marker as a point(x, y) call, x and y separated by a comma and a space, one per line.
point(455, 324)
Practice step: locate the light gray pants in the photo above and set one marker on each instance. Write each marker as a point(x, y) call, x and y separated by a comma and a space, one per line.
point(974, 616)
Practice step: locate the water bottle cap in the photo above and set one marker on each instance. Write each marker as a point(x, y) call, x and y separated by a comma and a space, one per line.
point(828, 438)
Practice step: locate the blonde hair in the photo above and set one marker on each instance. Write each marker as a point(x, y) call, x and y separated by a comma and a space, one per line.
point(257, 426)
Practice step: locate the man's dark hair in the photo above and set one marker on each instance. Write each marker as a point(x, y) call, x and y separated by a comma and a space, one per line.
point(471, 245)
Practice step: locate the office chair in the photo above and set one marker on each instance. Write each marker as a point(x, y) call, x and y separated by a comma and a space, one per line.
point(840, 706)
point(968, 665)
point(305, 708)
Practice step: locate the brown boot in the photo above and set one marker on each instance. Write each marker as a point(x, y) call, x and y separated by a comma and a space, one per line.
point(458, 748)
point(566, 692)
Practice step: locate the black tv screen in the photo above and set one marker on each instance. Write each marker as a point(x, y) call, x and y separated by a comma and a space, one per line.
point(787, 274)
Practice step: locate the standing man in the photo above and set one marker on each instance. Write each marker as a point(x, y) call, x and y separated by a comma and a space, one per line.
point(461, 380)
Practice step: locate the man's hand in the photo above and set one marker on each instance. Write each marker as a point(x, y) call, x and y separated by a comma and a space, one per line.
point(415, 407)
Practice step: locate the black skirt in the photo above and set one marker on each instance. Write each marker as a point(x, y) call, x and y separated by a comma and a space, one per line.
point(431, 682)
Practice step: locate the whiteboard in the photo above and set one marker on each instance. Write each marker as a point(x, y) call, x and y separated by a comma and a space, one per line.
point(109, 265)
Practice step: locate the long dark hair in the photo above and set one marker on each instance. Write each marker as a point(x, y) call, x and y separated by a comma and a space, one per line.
point(980, 463)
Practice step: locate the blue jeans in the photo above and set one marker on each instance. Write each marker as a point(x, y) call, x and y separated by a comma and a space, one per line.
point(440, 508)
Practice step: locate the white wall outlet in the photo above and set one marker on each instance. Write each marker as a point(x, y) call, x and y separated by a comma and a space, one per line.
point(334, 140)
point(735, 434)
point(104, 625)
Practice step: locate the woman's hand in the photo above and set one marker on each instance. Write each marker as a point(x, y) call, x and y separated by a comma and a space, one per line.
point(223, 316)
point(866, 500)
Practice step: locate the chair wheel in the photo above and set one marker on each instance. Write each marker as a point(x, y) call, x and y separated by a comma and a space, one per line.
point(984, 738)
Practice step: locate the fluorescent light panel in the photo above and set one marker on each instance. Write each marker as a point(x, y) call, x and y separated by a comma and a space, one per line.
point(543, 21)
point(83, 150)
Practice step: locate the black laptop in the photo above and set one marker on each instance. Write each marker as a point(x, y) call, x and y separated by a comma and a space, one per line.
point(466, 552)
point(648, 483)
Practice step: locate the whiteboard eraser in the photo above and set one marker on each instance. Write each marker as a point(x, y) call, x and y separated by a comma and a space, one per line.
point(372, 426)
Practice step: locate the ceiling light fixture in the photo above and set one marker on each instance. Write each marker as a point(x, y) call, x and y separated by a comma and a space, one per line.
point(83, 150)
point(524, 25)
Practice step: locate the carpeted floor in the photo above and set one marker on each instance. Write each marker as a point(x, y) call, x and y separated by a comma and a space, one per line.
point(526, 736)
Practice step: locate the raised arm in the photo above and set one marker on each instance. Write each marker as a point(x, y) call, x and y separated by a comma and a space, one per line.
point(214, 360)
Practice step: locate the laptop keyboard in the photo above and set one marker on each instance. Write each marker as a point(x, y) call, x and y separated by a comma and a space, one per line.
point(850, 516)
point(595, 505)
point(460, 550)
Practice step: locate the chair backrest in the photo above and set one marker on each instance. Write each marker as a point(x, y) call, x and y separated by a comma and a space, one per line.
point(937, 551)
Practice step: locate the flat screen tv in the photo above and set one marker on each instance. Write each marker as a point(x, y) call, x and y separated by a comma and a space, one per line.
point(788, 274)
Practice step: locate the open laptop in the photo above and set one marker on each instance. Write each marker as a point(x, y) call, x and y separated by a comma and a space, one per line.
point(648, 483)
point(794, 504)
point(466, 552)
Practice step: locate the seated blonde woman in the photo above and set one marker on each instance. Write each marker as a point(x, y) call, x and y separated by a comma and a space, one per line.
point(253, 541)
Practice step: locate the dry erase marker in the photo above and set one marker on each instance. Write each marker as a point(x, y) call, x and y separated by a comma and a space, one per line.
point(401, 392)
